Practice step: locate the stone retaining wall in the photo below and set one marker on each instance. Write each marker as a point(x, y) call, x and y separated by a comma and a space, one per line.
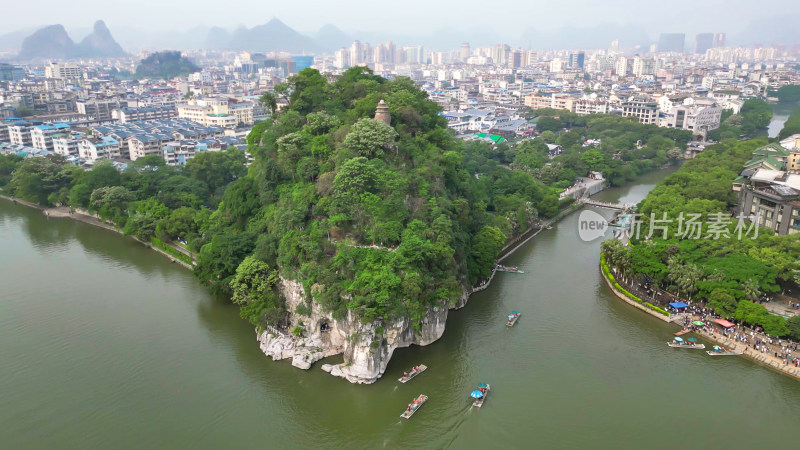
point(764, 359)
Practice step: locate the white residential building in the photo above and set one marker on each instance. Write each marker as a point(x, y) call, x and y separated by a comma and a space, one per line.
point(62, 70)
point(99, 148)
point(215, 111)
point(42, 135)
point(699, 116)
point(143, 145)
point(66, 144)
point(20, 134)
point(646, 112)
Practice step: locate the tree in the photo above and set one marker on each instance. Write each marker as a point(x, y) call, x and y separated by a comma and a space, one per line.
point(369, 137)
point(593, 160)
point(750, 289)
point(756, 115)
point(549, 124)
point(219, 259)
point(217, 169)
point(144, 218)
point(548, 136)
point(180, 223)
point(675, 154)
point(794, 327)
point(269, 102)
point(35, 179)
point(722, 303)
point(789, 93)
point(253, 279)
point(484, 250)
point(111, 202)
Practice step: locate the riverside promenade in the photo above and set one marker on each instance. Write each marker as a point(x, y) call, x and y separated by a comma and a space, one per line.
point(771, 352)
point(88, 218)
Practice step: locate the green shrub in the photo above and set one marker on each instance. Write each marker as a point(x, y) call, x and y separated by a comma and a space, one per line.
point(607, 273)
point(303, 309)
point(656, 309)
point(158, 243)
point(297, 331)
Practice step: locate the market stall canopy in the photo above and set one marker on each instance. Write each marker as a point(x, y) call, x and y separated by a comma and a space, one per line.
point(724, 323)
point(678, 305)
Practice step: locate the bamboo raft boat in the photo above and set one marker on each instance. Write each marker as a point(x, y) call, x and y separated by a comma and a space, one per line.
point(513, 320)
point(683, 331)
point(508, 269)
point(724, 353)
point(412, 374)
point(410, 412)
point(479, 401)
point(689, 345)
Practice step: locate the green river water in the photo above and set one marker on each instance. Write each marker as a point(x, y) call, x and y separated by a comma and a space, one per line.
point(105, 344)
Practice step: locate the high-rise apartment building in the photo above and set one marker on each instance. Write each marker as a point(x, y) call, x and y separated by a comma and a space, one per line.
point(719, 40)
point(703, 42)
point(671, 42)
point(621, 66)
point(465, 52)
point(576, 60)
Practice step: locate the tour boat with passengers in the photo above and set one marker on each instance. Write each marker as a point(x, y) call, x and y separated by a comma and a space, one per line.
point(678, 342)
point(510, 269)
point(722, 351)
point(416, 370)
point(414, 406)
point(480, 394)
point(512, 318)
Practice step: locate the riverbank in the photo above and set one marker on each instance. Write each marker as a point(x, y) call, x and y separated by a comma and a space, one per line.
point(765, 359)
point(87, 218)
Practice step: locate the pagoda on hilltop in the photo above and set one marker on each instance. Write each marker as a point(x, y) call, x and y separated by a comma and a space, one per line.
point(382, 113)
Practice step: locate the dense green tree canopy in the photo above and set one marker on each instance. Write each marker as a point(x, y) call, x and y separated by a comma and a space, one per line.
point(723, 270)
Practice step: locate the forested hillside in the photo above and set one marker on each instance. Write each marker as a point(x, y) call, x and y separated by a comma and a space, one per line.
point(329, 182)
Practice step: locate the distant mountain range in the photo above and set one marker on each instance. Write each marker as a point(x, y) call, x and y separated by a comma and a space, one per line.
point(272, 36)
point(53, 42)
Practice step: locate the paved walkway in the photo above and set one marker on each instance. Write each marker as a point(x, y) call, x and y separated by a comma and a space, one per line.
point(583, 185)
point(780, 354)
point(79, 215)
point(783, 306)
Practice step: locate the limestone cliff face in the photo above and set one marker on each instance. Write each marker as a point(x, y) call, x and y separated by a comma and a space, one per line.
point(367, 348)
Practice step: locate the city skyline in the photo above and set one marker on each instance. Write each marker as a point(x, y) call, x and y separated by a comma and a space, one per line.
point(430, 23)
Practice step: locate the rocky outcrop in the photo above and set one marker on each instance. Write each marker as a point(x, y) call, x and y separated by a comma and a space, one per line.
point(54, 42)
point(100, 44)
point(366, 348)
point(48, 42)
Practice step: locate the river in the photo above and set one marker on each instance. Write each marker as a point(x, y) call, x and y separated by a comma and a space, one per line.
point(780, 114)
point(107, 344)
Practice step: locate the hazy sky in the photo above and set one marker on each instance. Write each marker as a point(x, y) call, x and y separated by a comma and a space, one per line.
point(407, 16)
